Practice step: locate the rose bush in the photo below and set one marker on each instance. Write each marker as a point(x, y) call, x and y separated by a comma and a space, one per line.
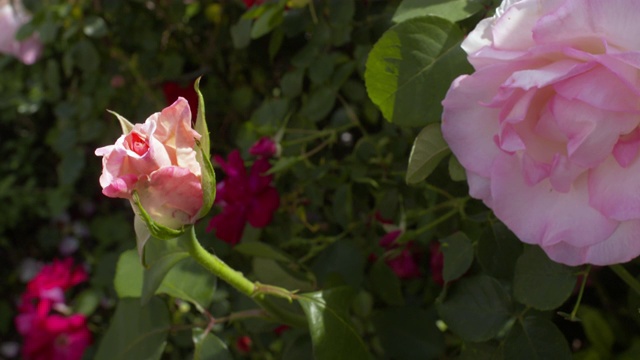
point(547, 125)
point(158, 161)
point(12, 17)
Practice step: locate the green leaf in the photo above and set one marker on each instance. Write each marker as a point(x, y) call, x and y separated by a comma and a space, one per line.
point(291, 83)
point(481, 351)
point(341, 262)
point(209, 346)
point(428, 150)
point(411, 67)
point(452, 10)
point(540, 282)
point(319, 104)
point(333, 336)
point(267, 21)
point(263, 250)
point(456, 171)
point(343, 205)
point(408, 333)
point(386, 283)
point(476, 308)
point(597, 329)
point(536, 339)
point(458, 255)
point(270, 272)
point(498, 251)
point(241, 33)
point(128, 278)
point(136, 332)
point(189, 281)
point(87, 301)
point(154, 275)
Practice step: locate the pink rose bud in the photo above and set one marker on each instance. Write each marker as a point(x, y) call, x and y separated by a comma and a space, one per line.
point(12, 17)
point(547, 126)
point(162, 166)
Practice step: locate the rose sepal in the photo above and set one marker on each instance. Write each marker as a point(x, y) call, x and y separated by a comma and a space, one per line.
point(156, 230)
point(125, 124)
point(201, 122)
point(203, 156)
point(208, 181)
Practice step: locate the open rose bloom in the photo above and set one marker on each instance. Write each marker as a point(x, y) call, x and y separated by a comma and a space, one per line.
point(159, 162)
point(547, 126)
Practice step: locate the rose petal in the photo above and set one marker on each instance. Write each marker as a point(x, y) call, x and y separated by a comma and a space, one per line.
point(539, 215)
point(621, 246)
point(615, 190)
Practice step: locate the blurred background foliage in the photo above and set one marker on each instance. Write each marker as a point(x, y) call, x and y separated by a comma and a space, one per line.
point(292, 71)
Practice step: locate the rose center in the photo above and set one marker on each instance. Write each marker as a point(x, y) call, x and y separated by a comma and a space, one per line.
point(138, 144)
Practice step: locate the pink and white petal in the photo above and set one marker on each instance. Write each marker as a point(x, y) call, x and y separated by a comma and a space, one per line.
point(479, 187)
point(530, 78)
point(626, 149)
point(512, 30)
point(615, 21)
point(592, 132)
point(539, 214)
point(121, 187)
point(468, 126)
point(615, 190)
point(600, 88)
point(175, 131)
point(620, 247)
point(172, 196)
point(534, 171)
point(564, 173)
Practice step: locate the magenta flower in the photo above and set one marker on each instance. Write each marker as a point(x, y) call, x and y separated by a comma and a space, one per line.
point(54, 279)
point(243, 198)
point(46, 333)
point(404, 264)
point(265, 147)
point(50, 336)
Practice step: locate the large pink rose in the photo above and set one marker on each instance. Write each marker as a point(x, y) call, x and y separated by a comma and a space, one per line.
point(547, 125)
point(12, 17)
point(158, 160)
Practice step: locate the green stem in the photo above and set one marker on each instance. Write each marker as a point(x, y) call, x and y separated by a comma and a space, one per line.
point(256, 291)
point(585, 276)
point(217, 266)
point(626, 277)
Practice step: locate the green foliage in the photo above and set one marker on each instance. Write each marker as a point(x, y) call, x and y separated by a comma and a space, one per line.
point(136, 331)
point(458, 256)
point(428, 150)
point(476, 308)
point(540, 282)
point(209, 346)
point(411, 67)
point(332, 334)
